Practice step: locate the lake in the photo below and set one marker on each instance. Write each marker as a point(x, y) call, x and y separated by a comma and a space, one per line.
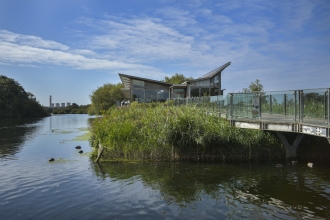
point(74, 187)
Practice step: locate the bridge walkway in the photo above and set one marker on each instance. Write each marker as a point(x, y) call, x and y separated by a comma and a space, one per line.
point(300, 111)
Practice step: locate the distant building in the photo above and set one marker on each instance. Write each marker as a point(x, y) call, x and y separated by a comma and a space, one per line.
point(58, 105)
point(148, 90)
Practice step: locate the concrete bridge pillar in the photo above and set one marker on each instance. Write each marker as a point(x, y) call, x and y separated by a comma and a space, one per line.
point(291, 150)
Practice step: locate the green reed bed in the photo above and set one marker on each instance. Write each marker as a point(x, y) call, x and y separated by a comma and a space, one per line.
point(165, 132)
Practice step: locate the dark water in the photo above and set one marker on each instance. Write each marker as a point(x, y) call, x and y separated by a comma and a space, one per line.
point(73, 187)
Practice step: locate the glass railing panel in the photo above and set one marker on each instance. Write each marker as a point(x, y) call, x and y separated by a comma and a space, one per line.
point(219, 105)
point(305, 106)
point(278, 105)
point(315, 106)
point(242, 105)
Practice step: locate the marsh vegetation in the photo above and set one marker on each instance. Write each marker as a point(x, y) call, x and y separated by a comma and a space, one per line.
point(161, 131)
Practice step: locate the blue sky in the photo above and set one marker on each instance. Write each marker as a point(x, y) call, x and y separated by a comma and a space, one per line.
point(67, 49)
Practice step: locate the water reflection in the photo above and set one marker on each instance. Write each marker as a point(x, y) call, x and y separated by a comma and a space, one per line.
point(259, 189)
point(13, 133)
point(81, 189)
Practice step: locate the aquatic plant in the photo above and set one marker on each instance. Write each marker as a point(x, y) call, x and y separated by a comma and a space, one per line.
point(162, 131)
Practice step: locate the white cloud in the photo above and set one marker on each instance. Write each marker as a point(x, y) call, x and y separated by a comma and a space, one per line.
point(17, 51)
point(28, 40)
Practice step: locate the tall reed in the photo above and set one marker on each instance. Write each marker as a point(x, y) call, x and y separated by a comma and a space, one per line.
point(165, 132)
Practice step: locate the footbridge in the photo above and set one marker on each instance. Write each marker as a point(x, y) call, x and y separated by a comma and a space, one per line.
point(304, 112)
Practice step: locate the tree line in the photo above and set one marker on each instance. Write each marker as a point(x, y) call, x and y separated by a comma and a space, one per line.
point(15, 102)
point(72, 109)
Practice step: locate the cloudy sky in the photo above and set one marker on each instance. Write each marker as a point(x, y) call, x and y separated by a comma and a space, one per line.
point(67, 49)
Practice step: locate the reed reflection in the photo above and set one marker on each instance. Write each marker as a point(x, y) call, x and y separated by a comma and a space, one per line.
point(263, 188)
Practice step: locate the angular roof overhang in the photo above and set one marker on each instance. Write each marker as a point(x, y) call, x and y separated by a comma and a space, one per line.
point(126, 80)
point(212, 73)
point(126, 93)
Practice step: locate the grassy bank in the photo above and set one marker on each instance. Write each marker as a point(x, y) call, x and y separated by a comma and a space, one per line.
point(164, 132)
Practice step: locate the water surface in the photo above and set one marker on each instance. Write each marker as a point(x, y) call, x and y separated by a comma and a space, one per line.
point(74, 187)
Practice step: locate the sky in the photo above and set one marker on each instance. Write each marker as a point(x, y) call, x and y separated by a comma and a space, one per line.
point(67, 49)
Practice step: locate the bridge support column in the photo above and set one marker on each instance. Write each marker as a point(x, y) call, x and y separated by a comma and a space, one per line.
point(291, 150)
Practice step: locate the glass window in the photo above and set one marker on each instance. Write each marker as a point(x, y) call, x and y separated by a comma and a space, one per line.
point(205, 92)
point(179, 93)
point(151, 95)
point(138, 95)
point(137, 83)
point(149, 85)
point(194, 92)
point(214, 91)
point(162, 95)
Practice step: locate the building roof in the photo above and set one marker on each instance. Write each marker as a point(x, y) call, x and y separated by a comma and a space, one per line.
point(214, 72)
point(177, 86)
point(127, 82)
point(126, 78)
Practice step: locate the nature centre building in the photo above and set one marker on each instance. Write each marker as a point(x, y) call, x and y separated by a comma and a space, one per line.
point(148, 90)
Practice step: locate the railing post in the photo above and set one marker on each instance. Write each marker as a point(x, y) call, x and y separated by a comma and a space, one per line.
point(231, 96)
point(285, 96)
point(301, 106)
point(329, 107)
point(325, 105)
point(259, 107)
point(295, 106)
point(270, 104)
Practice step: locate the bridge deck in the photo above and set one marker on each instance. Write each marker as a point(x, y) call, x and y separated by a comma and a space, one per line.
point(275, 118)
point(301, 111)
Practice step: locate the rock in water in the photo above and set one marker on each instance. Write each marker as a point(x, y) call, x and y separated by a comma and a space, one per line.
point(51, 159)
point(81, 152)
point(310, 165)
point(78, 147)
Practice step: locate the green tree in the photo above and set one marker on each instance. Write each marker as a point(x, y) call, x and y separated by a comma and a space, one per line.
point(104, 97)
point(16, 102)
point(255, 86)
point(177, 79)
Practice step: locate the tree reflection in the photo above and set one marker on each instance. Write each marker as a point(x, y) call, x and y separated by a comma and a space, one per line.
point(13, 133)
